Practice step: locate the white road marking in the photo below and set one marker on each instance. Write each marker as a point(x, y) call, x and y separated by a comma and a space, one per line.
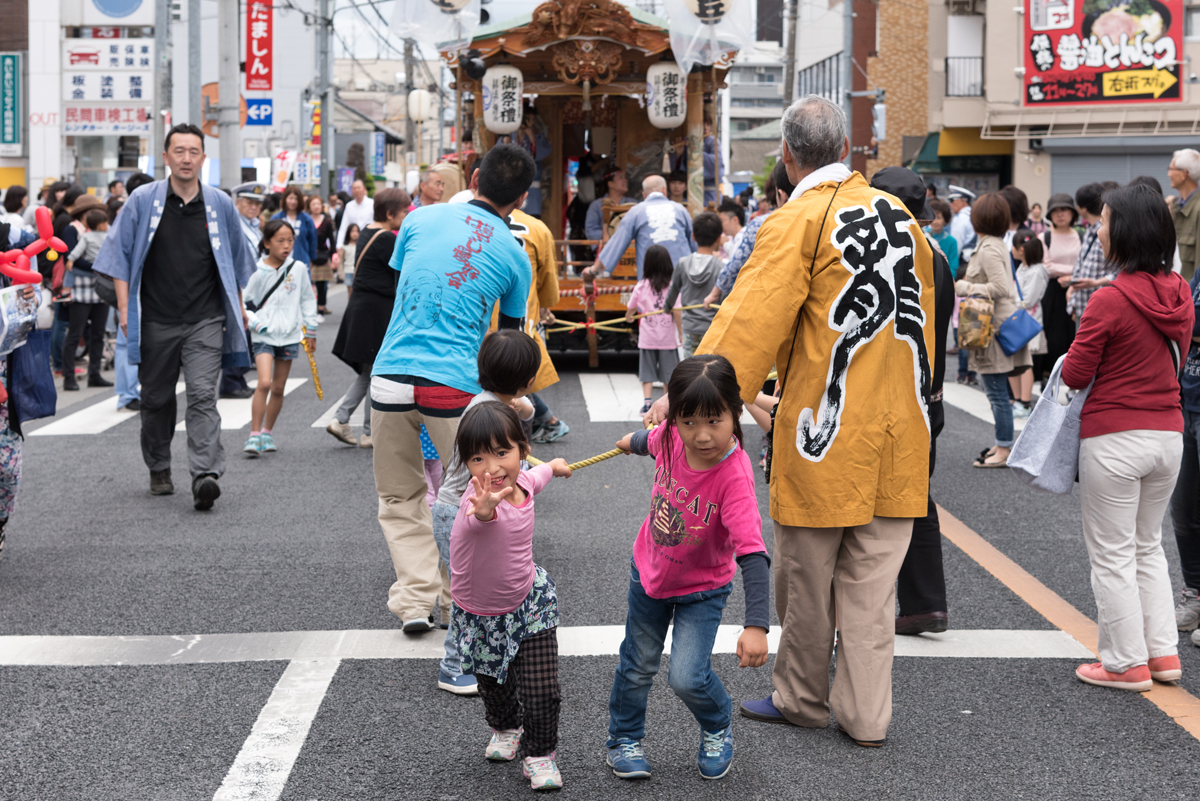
point(94, 419)
point(394, 644)
point(617, 398)
point(975, 403)
point(235, 412)
point(262, 767)
point(356, 417)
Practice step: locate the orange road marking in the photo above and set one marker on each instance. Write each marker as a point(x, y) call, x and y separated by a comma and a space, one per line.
point(1176, 702)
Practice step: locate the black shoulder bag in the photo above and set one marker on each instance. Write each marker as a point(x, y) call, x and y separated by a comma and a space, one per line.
point(285, 269)
point(795, 330)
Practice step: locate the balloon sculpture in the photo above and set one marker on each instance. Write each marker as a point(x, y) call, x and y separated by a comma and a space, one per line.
point(15, 263)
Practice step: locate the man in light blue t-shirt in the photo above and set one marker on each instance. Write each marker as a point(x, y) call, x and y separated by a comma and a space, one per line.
point(455, 261)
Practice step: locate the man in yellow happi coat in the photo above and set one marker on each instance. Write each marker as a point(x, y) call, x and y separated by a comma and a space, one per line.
point(838, 293)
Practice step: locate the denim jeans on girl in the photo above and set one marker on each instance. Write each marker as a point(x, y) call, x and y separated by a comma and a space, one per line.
point(696, 617)
point(996, 387)
point(443, 524)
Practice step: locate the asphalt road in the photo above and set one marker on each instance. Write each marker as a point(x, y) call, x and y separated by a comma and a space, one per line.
point(293, 545)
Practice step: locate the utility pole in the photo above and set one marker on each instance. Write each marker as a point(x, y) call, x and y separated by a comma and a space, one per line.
point(325, 92)
point(410, 125)
point(848, 73)
point(195, 99)
point(229, 109)
point(789, 55)
point(162, 51)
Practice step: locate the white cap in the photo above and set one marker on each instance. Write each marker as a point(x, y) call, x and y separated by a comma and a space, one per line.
point(961, 193)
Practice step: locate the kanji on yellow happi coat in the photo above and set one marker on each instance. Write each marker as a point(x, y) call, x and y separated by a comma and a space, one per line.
point(543, 290)
point(852, 429)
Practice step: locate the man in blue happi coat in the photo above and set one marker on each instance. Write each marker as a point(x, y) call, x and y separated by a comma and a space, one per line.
point(654, 221)
point(179, 260)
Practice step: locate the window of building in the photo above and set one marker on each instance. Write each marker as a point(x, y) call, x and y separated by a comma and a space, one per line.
point(766, 77)
point(1191, 22)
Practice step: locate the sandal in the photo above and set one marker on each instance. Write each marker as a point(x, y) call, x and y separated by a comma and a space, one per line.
point(989, 465)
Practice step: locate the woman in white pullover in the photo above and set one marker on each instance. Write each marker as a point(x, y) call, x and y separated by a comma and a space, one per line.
point(282, 309)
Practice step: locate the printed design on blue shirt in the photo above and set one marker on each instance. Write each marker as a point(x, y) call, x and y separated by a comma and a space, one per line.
point(661, 219)
point(667, 523)
point(421, 299)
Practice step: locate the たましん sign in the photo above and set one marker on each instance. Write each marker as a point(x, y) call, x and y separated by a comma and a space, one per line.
point(259, 46)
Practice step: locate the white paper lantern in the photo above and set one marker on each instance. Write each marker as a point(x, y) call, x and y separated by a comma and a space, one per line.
point(709, 12)
point(450, 6)
point(502, 109)
point(666, 95)
point(420, 105)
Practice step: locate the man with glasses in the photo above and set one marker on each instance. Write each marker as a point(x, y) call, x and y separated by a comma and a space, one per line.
point(1184, 174)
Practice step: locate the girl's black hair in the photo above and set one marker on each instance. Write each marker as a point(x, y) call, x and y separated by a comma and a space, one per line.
point(353, 228)
point(1141, 235)
point(657, 268)
point(702, 386)
point(508, 361)
point(489, 427)
point(1033, 251)
point(268, 232)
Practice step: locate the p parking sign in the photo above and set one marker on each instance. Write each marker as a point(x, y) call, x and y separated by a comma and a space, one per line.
point(260, 111)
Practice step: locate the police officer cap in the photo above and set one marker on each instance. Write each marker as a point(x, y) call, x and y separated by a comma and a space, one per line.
point(251, 190)
point(961, 193)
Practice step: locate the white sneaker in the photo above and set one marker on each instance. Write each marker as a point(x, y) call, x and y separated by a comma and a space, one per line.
point(542, 772)
point(365, 441)
point(1187, 610)
point(341, 431)
point(504, 744)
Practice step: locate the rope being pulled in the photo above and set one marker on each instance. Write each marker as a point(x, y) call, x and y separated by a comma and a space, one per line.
point(615, 325)
point(533, 460)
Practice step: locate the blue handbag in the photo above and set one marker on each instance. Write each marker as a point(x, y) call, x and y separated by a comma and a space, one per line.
point(30, 380)
point(1018, 329)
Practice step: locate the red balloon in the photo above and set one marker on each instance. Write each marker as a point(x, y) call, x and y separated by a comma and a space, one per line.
point(8, 256)
point(58, 244)
point(20, 276)
point(22, 262)
point(45, 222)
point(35, 248)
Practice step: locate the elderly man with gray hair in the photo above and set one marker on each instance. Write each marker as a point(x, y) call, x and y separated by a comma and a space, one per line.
point(838, 295)
point(657, 220)
point(1184, 175)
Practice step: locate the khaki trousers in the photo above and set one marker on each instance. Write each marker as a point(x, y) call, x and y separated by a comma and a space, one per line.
point(404, 514)
point(843, 579)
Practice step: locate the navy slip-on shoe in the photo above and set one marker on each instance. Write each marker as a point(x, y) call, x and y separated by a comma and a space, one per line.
point(763, 710)
point(462, 684)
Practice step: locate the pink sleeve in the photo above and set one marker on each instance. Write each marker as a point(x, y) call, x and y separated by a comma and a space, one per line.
point(635, 297)
point(739, 513)
point(678, 302)
point(654, 444)
point(536, 478)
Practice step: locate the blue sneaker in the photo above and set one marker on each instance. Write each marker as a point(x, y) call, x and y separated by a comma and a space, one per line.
point(628, 761)
point(253, 447)
point(715, 757)
point(551, 432)
point(763, 710)
point(268, 443)
point(462, 684)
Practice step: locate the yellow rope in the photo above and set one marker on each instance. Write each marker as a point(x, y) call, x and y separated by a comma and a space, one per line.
point(533, 460)
point(615, 325)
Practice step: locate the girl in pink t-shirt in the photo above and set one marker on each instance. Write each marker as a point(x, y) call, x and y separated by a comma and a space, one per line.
point(658, 335)
point(703, 523)
point(505, 613)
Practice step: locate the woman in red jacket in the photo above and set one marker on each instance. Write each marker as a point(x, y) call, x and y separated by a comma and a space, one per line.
point(1131, 438)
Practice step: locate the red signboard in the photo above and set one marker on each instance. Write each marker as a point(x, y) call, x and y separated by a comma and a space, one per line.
point(259, 44)
point(1103, 51)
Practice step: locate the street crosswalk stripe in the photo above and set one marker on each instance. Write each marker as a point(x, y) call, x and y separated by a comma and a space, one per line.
point(235, 412)
point(94, 419)
point(356, 417)
point(617, 398)
point(394, 644)
point(975, 403)
point(262, 766)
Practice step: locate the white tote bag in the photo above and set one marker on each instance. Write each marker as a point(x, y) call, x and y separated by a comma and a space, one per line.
point(1046, 454)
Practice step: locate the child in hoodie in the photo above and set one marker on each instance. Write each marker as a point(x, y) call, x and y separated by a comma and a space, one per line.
point(694, 277)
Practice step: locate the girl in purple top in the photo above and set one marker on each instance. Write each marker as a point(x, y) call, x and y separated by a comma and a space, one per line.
point(505, 613)
point(703, 524)
point(659, 335)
